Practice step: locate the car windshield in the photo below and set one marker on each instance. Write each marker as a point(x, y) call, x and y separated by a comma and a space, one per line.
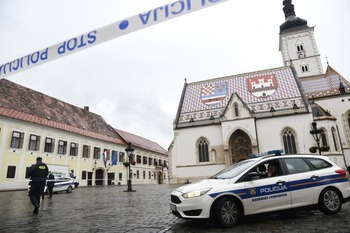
point(234, 170)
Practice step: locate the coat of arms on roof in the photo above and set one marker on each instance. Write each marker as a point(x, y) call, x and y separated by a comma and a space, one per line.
point(213, 94)
point(263, 86)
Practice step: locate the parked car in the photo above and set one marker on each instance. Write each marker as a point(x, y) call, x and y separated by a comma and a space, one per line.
point(62, 184)
point(246, 188)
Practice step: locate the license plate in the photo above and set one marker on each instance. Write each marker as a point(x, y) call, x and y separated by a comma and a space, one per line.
point(173, 207)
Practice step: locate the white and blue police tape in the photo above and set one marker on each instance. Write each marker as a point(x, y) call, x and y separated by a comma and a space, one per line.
point(94, 37)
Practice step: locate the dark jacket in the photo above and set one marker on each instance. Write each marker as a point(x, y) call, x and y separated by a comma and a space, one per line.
point(38, 171)
point(51, 180)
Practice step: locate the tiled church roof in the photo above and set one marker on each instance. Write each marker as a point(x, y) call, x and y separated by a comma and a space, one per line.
point(140, 142)
point(260, 91)
point(324, 85)
point(24, 104)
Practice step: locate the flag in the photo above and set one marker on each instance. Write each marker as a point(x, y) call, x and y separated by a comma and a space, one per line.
point(105, 158)
point(114, 157)
point(166, 164)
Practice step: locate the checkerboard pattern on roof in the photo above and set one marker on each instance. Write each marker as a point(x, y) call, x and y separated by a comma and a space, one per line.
point(286, 89)
point(321, 86)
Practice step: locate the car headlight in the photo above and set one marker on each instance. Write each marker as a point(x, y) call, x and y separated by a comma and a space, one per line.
point(196, 193)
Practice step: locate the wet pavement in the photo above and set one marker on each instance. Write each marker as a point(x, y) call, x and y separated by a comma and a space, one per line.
point(110, 209)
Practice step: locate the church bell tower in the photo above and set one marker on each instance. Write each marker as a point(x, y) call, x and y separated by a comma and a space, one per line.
point(297, 44)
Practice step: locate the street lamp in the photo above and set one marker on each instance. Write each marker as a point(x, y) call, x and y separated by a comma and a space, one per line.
point(316, 133)
point(129, 150)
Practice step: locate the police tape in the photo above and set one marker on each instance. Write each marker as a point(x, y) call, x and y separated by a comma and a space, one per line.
point(109, 32)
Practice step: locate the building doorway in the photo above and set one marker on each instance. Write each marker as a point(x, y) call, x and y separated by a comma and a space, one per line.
point(240, 146)
point(99, 177)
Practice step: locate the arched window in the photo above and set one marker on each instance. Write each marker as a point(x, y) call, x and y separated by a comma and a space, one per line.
point(235, 106)
point(203, 151)
point(335, 139)
point(289, 142)
point(324, 138)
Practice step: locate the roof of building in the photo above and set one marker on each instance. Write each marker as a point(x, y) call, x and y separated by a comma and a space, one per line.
point(326, 85)
point(141, 142)
point(261, 91)
point(24, 104)
point(319, 113)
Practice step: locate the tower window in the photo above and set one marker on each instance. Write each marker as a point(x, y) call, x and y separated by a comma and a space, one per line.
point(305, 68)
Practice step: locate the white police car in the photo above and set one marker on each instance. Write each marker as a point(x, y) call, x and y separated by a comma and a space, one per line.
point(246, 188)
point(66, 184)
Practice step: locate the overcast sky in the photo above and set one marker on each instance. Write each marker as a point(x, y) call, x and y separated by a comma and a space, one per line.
point(135, 81)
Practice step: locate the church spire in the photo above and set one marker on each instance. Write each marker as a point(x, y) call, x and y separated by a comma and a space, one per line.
point(292, 20)
point(288, 8)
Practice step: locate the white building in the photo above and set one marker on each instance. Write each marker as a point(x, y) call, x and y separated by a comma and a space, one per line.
point(223, 120)
point(33, 124)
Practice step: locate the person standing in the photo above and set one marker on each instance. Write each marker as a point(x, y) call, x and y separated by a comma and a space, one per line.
point(50, 184)
point(37, 173)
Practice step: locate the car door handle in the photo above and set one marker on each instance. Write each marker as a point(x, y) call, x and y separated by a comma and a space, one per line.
point(314, 177)
point(280, 182)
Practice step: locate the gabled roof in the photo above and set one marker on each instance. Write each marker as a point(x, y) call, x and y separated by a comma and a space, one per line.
point(18, 102)
point(319, 113)
point(326, 85)
point(261, 91)
point(137, 141)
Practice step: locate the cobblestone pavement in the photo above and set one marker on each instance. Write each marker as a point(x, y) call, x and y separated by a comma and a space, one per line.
point(110, 209)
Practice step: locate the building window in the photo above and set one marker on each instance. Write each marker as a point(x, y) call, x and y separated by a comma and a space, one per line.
point(289, 142)
point(137, 174)
point(324, 138)
point(49, 145)
point(17, 139)
point(138, 159)
point(144, 160)
point(83, 175)
point(155, 162)
point(120, 176)
point(235, 106)
point(86, 151)
point(304, 68)
point(121, 157)
point(34, 142)
point(132, 157)
point(149, 175)
point(160, 162)
point(335, 139)
point(97, 153)
point(144, 174)
point(73, 149)
point(203, 151)
point(62, 147)
point(150, 161)
point(11, 172)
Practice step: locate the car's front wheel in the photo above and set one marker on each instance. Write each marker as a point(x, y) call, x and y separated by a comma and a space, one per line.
point(69, 189)
point(226, 212)
point(330, 201)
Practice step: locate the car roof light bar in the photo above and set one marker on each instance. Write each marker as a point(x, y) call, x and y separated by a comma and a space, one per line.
point(270, 152)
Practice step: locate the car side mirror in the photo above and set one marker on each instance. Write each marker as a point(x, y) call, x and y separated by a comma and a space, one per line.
point(253, 176)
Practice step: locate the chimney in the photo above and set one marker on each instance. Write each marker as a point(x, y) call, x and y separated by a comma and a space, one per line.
point(86, 108)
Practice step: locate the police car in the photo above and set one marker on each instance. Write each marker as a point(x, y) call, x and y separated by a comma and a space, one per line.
point(248, 188)
point(66, 184)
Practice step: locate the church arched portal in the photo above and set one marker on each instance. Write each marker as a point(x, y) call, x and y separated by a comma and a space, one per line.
point(240, 146)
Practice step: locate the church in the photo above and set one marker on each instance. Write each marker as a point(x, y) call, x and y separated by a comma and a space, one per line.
point(298, 108)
